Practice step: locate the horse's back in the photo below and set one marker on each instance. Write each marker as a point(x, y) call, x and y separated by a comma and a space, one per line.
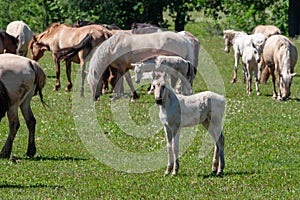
point(267, 30)
point(272, 46)
point(18, 75)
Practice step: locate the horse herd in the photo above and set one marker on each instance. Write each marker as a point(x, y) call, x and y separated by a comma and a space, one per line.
point(112, 52)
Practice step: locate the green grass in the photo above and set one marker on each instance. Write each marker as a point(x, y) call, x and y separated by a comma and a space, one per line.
point(261, 152)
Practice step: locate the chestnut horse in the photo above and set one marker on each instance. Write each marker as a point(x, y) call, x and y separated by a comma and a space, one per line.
point(8, 43)
point(59, 36)
point(20, 79)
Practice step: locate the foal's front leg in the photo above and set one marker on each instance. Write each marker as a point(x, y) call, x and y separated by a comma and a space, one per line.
point(169, 138)
point(236, 62)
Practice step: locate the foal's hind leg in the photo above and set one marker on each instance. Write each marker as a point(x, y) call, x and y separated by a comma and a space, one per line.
point(68, 72)
point(216, 132)
point(30, 123)
point(14, 125)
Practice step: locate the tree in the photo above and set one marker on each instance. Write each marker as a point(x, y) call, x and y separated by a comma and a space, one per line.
point(294, 18)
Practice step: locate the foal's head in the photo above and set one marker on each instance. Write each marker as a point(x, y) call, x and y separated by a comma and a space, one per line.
point(159, 87)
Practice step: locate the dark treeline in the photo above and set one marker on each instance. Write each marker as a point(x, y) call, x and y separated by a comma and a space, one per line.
point(235, 14)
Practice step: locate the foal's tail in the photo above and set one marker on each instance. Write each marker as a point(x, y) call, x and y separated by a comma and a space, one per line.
point(68, 52)
point(4, 100)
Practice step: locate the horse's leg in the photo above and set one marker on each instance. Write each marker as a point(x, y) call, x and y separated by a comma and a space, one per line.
point(214, 127)
point(236, 62)
point(30, 123)
point(14, 124)
point(68, 72)
point(176, 150)
point(57, 72)
point(256, 81)
point(271, 70)
point(130, 83)
point(169, 138)
point(248, 78)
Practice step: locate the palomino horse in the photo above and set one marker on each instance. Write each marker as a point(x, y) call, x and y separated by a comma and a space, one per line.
point(8, 43)
point(239, 40)
point(267, 30)
point(80, 23)
point(20, 79)
point(178, 111)
point(280, 55)
point(122, 49)
point(59, 36)
point(20, 30)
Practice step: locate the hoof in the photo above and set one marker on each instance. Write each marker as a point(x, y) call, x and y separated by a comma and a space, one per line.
point(168, 170)
point(67, 89)
point(233, 81)
point(258, 94)
point(31, 152)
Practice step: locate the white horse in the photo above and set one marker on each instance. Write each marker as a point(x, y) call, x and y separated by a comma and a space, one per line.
point(175, 66)
point(178, 111)
point(23, 33)
point(239, 40)
point(250, 60)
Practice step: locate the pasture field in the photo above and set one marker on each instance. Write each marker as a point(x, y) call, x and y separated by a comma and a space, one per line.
point(261, 145)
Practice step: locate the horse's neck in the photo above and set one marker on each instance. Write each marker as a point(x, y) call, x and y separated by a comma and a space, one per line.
point(170, 99)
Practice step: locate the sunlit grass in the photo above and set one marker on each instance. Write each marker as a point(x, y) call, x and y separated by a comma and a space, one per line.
point(261, 151)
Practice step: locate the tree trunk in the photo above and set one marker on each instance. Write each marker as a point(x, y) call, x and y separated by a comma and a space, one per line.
point(294, 18)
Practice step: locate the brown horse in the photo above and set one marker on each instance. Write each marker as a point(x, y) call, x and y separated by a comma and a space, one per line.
point(20, 79)
point(8, 43)
point(59, 36)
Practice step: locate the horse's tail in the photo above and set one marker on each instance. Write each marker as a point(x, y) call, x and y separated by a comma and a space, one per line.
point(68, 52)
point(265, 75)
point(4, 100)
point(40, 80)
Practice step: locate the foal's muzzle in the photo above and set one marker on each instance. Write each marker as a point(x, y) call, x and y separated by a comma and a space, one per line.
point(158, 101)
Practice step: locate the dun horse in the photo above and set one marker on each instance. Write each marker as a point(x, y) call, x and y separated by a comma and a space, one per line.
point(122, 49)
point(20, 79)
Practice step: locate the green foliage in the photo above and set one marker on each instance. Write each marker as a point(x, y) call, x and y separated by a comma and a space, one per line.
point(245, 15)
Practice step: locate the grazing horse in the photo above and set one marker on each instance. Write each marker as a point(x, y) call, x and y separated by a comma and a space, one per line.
point(59, 36)
point(239, 40)
point(250, 60)
point(178, 111)
point(20, 30)
point(20, 79)
point(280, 55)
point(122, 49)
point(267, 30)
point(8, 43)
point(177, 67)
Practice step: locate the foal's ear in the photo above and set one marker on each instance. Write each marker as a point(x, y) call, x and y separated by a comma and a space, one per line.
point(293, 74)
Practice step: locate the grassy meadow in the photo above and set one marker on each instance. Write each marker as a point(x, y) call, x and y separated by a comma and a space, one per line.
point(261, 144)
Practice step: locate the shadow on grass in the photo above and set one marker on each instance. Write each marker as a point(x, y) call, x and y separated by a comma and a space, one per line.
point(19, 186)
point(55, 158)
point(225, 174)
